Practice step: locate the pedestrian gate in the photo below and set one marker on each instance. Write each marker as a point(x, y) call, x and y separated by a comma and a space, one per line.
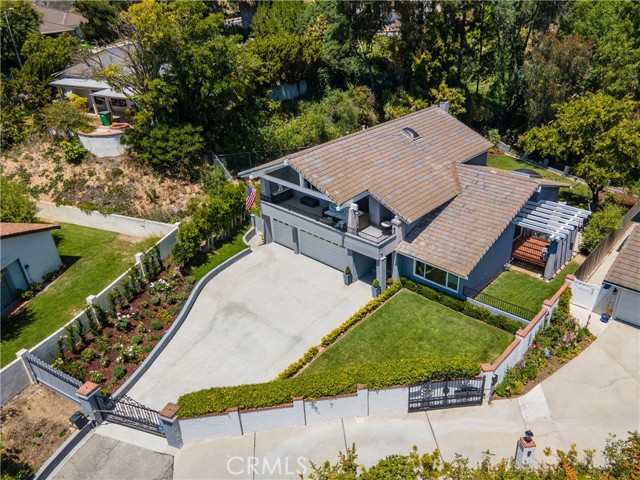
point(445, 394)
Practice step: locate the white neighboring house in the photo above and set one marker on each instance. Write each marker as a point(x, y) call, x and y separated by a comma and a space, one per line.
point(624, 278)
point(28, 253)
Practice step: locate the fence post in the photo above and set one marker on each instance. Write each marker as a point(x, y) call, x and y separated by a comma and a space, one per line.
point(169, 418)
point(88, 395)
point(139, 258)
point(25, 363)
point(490, 380)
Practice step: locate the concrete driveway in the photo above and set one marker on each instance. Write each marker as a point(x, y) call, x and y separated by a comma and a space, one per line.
point(249, 323)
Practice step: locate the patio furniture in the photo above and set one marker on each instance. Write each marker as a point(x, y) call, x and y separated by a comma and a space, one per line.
point(309, 201)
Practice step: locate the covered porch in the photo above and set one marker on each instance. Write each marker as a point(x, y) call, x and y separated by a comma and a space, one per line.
point(545, 236)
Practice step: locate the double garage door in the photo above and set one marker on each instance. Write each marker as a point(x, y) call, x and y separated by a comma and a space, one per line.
point(628, 308)
point(312, 246)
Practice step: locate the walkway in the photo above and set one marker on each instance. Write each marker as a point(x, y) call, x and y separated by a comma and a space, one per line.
point(249, 323)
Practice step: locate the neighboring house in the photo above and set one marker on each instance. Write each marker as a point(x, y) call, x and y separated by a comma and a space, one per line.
point(413, 197)
point(28, 253)
point(624, 278)
point(55, 22)
point(79, 79)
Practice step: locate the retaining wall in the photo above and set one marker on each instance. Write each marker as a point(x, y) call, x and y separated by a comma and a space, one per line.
point(103, 145)
point(135, 227)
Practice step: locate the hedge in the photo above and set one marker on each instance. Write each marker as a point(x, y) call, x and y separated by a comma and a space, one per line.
point(336, 333)
point(325, 384)
point(464, 307)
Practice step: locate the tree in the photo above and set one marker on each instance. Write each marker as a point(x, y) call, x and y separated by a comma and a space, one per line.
point(23, 21)
point(17, 205)
point(595, 134)
point(64, 117)
point(601, 224)
point(46, 55)
point(102, 19)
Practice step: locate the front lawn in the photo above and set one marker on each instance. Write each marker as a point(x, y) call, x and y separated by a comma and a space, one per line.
point(410, 326)
point(577, 195)
point(94, 258)
point(527, 291)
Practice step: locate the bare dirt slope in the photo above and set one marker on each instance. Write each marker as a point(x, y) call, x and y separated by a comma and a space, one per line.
point(110, 185)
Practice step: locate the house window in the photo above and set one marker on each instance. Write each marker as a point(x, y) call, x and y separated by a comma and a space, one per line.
point(436, 275)
point(307, 184)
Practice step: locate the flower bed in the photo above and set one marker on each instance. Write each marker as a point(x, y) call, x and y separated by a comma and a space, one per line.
point(554, 345)
point(109, 348)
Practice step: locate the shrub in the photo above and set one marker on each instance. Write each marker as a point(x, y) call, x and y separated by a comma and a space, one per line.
point(102, 344)
point(155, 300)
point(75, 369)
point(347, 271)
point(27, 295)
point(131, 354)
point(165, 316)
point(464, 307)
point(81, 330)
point(104, 361)
point(191, 280)
point(295, 367)
point(136, 340)
point(141, 328)
point(600, 225)
point(118, 372)
point(123, 323)
point(93, 326)
point(96, 377)
point(326, 384)
point(375, 283)
point(17, 204)
point(101, 315)
point(155, 325)
point(144, 304)
point(182, 296)
point(73, 151)
point(88, 354)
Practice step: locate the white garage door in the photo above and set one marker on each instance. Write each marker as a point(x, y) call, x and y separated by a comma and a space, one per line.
point(628, 308)
point(326, 252)
point(282, 233)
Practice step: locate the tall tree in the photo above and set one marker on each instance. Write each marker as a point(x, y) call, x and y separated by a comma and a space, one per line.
point(597, 135)
point(102, 19)
point(23, 21)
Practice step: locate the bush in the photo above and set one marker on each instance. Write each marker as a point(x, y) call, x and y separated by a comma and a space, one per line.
point(96, 377)
point(123, 323)
point(326, 384)
point(600, 225)
point(88, 354)
point(75, 369)
point(295, 367)
point(155, 325)
point(136, 340)
point(17, 205)
point(104, 361)
point(155, 300)
point(165, 316)
point(144, 304)
point(73, 151)
point(464, 307)
point(119, 371)
point(191, 280)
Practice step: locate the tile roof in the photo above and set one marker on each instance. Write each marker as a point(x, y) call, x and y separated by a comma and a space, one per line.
point(15, 229)
point(411, 177)
point(625, 270)
point(456, 236)
point(56, 21)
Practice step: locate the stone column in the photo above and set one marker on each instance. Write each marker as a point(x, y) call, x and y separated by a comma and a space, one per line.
point(88, 396)
point(171, 424)
point(25, 363)
point(139, 258)
point(352, 218)
point(363, 401)
point(299, 411)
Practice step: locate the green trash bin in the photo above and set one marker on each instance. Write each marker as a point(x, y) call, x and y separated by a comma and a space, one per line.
point(105, 117)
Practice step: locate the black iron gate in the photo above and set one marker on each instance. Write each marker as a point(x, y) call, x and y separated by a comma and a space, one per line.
point(446, 394)
point(126, 411)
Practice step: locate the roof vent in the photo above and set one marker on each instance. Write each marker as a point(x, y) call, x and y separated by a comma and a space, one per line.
point(411, 133)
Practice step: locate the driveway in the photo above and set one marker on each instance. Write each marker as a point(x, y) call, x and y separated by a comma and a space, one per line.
point(249, 323)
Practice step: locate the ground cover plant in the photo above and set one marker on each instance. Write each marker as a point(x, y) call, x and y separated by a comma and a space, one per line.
point(411, 326)
point(92, 259)
point(525, 290)
point(554, 345)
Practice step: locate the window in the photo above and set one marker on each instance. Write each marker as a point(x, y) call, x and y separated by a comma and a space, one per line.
point(436, 275)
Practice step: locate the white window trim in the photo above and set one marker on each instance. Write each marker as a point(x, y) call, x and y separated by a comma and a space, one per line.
point(446, 285)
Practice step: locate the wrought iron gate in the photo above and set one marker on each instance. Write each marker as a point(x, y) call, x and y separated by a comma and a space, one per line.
point(126, 411)
point(53, 378)
point(446, 394)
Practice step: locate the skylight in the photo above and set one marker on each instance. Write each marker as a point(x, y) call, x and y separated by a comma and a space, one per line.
point(411, 133)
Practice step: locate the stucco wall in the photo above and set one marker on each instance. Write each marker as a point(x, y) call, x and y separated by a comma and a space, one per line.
point(14, 379)
point(103, 145)
point(38, 250)
point(135, 227)
point(493, 261)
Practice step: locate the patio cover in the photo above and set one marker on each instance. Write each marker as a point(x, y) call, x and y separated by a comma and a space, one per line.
point(87, 83)
point(554, 219)
point(109, 93)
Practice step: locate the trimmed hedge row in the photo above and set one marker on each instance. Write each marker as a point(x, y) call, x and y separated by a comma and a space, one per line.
point(326, 384)
point(464, 307)
point(336, 333)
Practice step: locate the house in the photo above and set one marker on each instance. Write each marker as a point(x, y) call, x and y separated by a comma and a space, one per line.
point(413, 197)
point(79, 79)
point(55, 22)
point(28, 253)
point(624, 279)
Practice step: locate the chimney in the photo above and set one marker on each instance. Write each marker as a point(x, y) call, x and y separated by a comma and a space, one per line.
point(444, 105)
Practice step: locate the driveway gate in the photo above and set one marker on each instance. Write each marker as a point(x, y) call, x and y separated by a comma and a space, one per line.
point(446, 394)
point(126, 411)
point(53, 378)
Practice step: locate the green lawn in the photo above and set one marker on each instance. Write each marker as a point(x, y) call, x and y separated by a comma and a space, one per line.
point(526, 291)
point(410, 326)
point(205, 262)
point(94, 258)
point(578, 195)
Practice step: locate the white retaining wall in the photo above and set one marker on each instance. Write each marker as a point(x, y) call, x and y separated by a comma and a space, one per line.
point(103, 145)
point(14, 378)
point(135, 227)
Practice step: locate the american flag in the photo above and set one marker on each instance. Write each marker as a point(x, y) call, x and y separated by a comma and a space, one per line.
point(251, 197)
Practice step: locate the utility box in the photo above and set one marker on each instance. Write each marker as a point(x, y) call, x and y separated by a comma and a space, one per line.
point(525, 451)
point(78, 420)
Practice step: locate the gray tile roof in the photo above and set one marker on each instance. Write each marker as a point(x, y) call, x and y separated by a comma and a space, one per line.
point(625, 270)
point(456, 236)
point(57, 21)
point(411, 177)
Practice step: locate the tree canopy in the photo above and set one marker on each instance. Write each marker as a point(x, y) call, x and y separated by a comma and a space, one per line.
point(17, 206)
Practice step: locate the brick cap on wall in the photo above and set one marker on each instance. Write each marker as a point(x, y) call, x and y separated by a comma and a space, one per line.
point(487, 367)
point(170, 410)
point(87, 388)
